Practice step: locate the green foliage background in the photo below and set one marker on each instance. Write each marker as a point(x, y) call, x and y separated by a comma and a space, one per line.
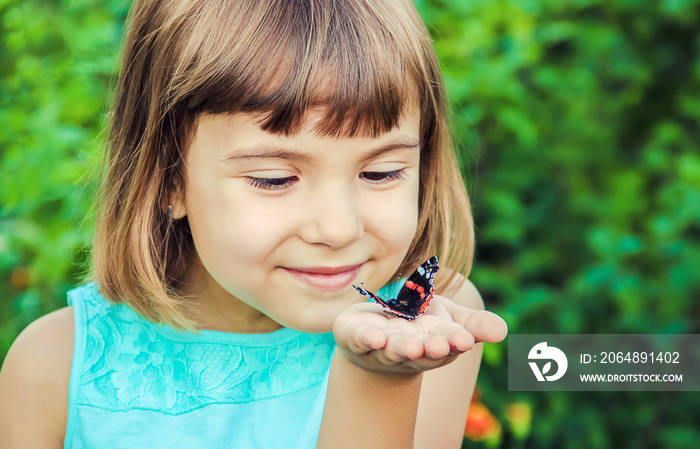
point(577, 123)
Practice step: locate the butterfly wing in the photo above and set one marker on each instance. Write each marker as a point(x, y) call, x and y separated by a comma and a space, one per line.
point(371, 295)
point(416, 294)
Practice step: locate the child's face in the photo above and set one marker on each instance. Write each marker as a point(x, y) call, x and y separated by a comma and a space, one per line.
point(286, 225)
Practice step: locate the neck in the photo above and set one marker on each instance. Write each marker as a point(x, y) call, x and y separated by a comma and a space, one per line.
point(214, 308)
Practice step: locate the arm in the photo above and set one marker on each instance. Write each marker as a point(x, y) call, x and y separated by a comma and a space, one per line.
point(376, 376)
point(368, 410)
point(34, 384)
point(447, 391)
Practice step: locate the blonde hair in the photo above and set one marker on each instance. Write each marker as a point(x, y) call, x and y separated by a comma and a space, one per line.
point(184, 58)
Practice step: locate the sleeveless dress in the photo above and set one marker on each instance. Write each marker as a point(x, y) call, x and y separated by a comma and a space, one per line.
point(137, 384)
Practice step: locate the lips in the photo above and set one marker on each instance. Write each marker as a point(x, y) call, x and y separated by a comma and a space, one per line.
point(328, 278)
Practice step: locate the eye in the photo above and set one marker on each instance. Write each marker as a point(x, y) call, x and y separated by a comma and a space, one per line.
point(380, 177)
point(272, 183)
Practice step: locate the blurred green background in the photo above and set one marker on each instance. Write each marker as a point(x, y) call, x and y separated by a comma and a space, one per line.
point(578, 128)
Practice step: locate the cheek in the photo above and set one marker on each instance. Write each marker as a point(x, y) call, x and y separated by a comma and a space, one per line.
point(394, 217)
point(231, 227)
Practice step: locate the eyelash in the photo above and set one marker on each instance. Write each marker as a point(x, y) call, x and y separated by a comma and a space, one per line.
point(272, 183)
point(283, 183)
point(388, 176)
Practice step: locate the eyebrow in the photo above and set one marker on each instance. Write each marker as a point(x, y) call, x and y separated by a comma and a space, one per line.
point(272, 152)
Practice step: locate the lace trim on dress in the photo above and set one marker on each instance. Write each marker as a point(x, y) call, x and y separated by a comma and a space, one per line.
point(132, 363)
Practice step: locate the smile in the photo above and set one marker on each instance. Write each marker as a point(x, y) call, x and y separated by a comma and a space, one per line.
point(326, 277)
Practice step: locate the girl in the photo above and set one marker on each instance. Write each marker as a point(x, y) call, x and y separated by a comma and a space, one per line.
point(264, 158)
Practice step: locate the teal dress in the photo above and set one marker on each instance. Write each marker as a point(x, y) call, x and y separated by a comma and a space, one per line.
point(138, 384)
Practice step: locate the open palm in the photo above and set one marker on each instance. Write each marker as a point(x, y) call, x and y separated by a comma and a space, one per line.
point(383, 343)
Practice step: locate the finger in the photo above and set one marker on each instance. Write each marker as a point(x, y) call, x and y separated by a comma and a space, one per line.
point(437, 347)
point(458, 338)
point(367, 337)
point(401, 346)
point(425, 363)
point(384, 359)
point(483, 325)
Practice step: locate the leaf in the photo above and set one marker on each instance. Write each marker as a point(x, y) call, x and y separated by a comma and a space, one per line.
point(546, 368)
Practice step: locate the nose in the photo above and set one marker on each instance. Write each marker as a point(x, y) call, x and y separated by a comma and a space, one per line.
point(333, 219)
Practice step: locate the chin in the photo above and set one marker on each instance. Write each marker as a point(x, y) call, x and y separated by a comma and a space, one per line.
point(312, 324)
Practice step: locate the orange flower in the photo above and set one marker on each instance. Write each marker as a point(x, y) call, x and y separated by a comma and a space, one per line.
point(481, 424)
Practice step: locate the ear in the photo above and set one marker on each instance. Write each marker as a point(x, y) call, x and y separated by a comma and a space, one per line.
point(176, 200)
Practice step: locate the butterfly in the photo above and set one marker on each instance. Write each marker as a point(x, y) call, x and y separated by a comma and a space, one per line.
point(414, 296)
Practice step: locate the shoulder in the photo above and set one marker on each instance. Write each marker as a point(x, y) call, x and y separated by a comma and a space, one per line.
point(462, 292)
point(34, 383)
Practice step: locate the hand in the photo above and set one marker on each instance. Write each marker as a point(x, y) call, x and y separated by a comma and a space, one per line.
point(383, 343)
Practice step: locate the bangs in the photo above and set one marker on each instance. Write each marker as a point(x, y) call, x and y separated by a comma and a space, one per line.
point(360, 65)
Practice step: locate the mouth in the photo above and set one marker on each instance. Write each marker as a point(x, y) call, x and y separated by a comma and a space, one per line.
point(327, 278)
